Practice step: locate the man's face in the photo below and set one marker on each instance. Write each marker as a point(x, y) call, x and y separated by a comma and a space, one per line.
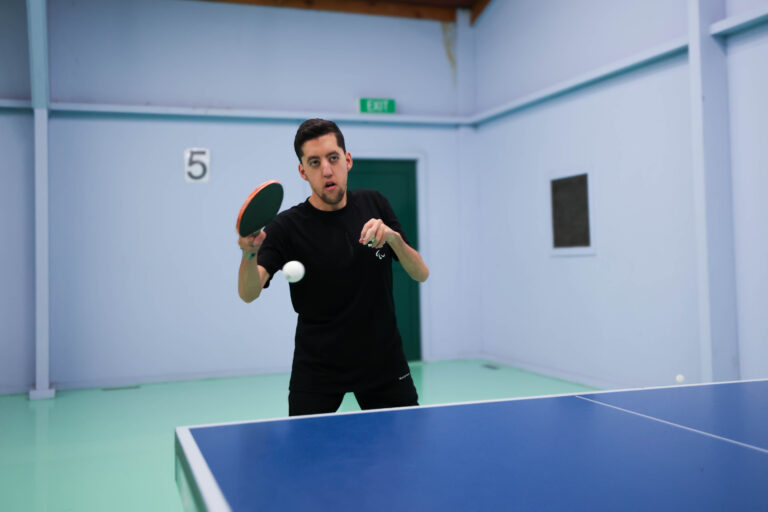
point(325, 166)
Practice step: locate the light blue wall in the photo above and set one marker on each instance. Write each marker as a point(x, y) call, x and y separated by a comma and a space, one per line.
point(525, 46)
point(748, 83)
point(144, 265)
point(14, 50)
point(177, 52)
point(627, 314)
point(17, 256)
point(17, 261)
point(739, 7)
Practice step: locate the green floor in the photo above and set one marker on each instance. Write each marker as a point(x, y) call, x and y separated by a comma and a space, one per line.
point(97, 450)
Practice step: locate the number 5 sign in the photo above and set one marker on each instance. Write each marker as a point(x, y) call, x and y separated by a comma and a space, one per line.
point(197, 163)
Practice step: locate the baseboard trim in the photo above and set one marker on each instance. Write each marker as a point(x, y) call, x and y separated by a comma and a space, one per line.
point(556, 373)
point(127, 382)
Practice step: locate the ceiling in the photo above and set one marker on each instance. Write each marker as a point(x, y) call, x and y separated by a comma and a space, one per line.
point(440, 10)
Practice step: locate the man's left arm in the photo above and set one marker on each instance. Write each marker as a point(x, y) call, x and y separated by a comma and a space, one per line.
point(376, 233)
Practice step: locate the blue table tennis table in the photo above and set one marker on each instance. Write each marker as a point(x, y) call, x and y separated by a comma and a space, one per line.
point(694, 447)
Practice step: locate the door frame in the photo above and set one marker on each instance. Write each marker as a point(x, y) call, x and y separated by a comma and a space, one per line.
point(425, 311)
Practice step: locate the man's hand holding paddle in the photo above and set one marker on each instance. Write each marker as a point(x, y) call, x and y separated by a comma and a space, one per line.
point(257, 211)
point(252, 243)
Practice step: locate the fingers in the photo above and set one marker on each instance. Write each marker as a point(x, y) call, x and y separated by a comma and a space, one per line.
point(374, 233)
point(379, 238)
point(369, 231)
point(252, 243)
point(259, 237)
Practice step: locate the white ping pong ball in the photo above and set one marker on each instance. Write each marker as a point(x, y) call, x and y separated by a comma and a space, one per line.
point(293, 271)
point(680, 377)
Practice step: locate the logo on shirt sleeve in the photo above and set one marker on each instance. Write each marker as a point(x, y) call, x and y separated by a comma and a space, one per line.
point(381, 254)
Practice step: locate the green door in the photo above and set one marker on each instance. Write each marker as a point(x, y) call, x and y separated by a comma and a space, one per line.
point(396, 179)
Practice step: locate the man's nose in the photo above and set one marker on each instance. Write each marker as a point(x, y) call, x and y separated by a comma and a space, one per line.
point(327, 171)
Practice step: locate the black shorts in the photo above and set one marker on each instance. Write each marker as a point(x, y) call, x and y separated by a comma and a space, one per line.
point(400, 393)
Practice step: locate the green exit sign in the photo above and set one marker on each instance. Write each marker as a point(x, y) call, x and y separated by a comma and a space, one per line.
point(377, 106)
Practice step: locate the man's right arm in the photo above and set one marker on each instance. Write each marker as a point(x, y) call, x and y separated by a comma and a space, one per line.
point(252, 276)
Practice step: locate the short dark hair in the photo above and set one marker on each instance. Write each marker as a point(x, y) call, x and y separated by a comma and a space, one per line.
point(314, 128)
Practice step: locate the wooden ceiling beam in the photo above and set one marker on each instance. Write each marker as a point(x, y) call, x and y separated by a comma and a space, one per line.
point(465, 4)
point(381, 8)
point(477, 9)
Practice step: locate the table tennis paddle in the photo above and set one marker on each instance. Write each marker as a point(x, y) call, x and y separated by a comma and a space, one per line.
point(260, 208)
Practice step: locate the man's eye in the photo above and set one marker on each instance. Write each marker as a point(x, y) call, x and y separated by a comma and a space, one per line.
point(334, 158)
point(313, 163)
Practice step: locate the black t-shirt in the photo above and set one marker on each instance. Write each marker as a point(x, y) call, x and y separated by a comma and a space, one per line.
point(346, 335)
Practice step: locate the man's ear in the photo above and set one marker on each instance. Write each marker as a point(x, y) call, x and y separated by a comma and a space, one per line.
point(348, 157)
point(303, 173)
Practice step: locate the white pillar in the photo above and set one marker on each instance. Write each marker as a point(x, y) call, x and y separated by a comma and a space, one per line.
point(38, 70)
point(710, 120)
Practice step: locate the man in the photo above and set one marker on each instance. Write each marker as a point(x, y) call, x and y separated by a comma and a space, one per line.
point(346, 335)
